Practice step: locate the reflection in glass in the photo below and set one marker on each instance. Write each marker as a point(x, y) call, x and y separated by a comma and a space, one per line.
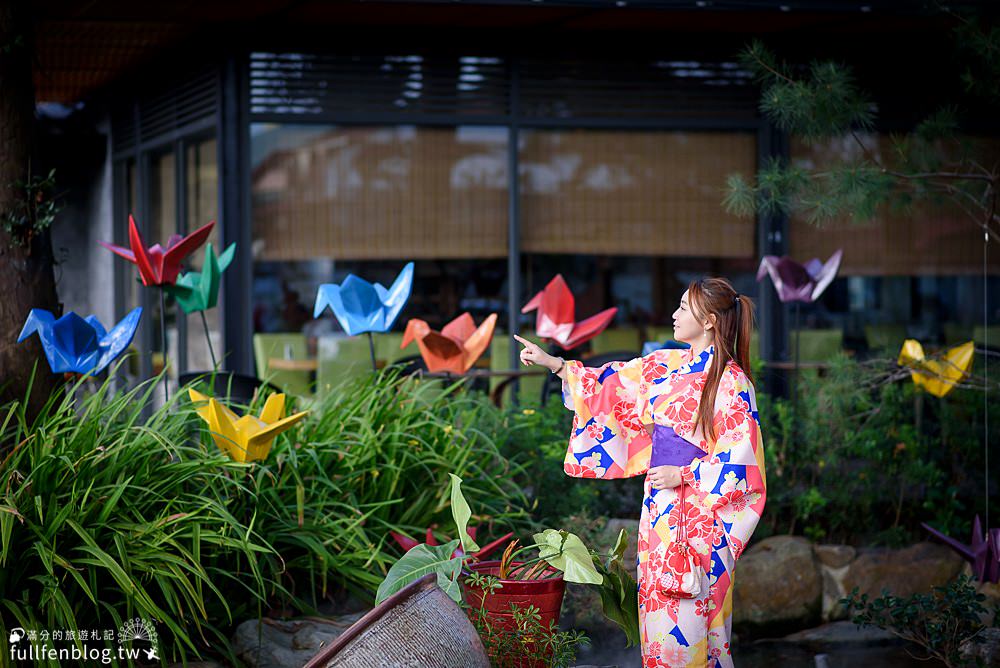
point(202, 196)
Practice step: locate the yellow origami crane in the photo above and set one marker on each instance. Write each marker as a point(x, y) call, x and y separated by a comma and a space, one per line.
point(247, 438)
point(938, 377)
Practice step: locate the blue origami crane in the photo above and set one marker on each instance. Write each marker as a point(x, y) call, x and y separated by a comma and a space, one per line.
point(362, 307)
point(75, 345)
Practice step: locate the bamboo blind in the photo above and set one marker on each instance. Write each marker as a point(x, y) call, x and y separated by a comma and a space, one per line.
point(633, 193)
point(925, 239)
point(384, 193)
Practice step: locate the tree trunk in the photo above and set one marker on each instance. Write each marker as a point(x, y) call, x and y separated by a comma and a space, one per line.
point(26, 276)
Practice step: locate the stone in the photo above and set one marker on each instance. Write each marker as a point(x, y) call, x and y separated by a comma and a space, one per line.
point(778, 587)
point(284, 644)
point(835, 556)
point(840, 633)
point(833, 592)
point(984, 647)
point(991, 590)
point(915, 569)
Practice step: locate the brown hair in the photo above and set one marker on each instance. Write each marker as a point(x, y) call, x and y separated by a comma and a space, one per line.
point(734, 314)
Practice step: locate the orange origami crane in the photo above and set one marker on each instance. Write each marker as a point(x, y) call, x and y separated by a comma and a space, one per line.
point(248, 438)
point(158, 265)
point(938, 377)
point(456, 347)
point(557, 316)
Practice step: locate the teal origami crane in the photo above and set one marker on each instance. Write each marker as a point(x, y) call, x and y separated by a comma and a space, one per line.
point(199, 290)
point(362, 307)
point(76, 345)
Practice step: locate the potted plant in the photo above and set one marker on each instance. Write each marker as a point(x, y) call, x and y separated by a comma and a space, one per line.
point(522, 578)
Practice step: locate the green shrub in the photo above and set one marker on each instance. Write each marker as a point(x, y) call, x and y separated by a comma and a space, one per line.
point(374, 457)
point(870, 459)
point(107, 514)
point(939, 622)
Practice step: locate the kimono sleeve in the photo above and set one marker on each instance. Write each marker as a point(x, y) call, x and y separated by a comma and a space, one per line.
point(607, 439)
point(611, 406)
point(730, 482)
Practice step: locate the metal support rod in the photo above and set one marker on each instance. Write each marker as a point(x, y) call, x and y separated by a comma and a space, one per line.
point(208, 338)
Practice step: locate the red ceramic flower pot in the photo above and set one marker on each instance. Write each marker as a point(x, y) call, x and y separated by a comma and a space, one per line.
point(545, 595)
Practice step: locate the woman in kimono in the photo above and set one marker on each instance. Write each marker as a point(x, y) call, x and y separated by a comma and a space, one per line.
point(688, 420)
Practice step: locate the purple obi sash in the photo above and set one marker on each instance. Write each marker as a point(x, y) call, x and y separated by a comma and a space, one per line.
point(669, 449)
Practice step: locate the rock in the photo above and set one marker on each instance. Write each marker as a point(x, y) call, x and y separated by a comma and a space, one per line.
point(833, 592)
point(840, 633)
point(284, 644)
point(835, 556)
point(915, 569)
point(984, 647)
point(991, 591)
point(778, 587)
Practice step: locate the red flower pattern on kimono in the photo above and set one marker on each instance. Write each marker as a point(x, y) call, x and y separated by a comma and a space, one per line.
point(578, 471)
point(703, 606)
point(651, 369)
point(650, 596)
point(595, 431)
point(626, 417)
point(698, 522)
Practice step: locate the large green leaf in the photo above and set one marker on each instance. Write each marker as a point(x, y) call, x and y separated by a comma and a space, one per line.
point(418, 562)
point(461, 512)
point(567, 552)
point(619, 592)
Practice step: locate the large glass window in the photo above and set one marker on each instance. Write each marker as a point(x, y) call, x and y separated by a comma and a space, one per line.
point(912, 271)
point(202, 202)
point(331, 200)
point(160, 223)
point(629, 218)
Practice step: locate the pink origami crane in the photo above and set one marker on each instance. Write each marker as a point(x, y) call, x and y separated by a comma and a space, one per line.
point(799, 283)
point(456, 347)
point(557, 316)
point(159, 266)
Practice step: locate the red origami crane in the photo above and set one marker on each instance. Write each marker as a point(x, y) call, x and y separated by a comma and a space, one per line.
point(159, 266)
point(456, 347)
point(408, 543)
point(557, 316)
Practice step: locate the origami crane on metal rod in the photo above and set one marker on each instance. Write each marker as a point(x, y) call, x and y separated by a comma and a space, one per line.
point(456, 347)
point(938, 377)
point(199, 290)
point(796, 282)
point(557, 316)
point(248, 438)
point(157, 265)
point(362, 307)
point(79, 345)
point(983, 552)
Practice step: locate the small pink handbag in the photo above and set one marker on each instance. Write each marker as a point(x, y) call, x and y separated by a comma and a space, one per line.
point(683, 575)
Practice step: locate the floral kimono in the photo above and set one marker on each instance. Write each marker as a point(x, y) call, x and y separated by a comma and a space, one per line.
point(723, 490)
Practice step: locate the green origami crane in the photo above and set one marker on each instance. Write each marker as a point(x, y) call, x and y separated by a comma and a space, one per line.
point(199, 290)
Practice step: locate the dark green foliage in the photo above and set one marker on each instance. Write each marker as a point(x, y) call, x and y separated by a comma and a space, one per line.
point(536, 439)
point(821, 106)
point(939, 621)
point(872, 459)
point(106, 514)
point(33, 210)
